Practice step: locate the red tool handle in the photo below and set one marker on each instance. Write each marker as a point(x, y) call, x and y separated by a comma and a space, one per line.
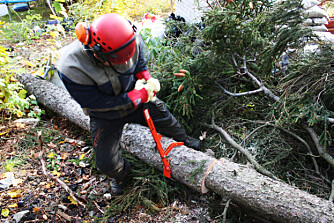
point(157, 139)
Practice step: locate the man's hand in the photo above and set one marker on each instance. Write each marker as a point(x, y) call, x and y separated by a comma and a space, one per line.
point(152, 86)
point(143, 92)
point(155, 84)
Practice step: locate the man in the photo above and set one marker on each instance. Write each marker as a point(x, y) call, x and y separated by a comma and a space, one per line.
point(105, 72)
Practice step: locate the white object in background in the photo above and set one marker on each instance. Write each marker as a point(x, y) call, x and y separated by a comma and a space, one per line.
point(3, 10)
point(326, 36)
point(315, 12)
point(310, 3)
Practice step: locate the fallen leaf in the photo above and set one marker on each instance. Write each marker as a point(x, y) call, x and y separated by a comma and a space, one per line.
point(20, 125)
point(82, 164)
point(5, 212)
point(52, 145)
point(3, 133)
point(36, 209)
point(13, 79)
point(56, 173)
point(83, 192)
point(6, 175)
point(30, 64)
point(64, 156)
point(15, 193)
point(72, 200)
point(16, 182)
point(50, 155)
point(13, 205)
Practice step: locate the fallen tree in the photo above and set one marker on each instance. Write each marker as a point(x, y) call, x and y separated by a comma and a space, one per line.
point(271, 199)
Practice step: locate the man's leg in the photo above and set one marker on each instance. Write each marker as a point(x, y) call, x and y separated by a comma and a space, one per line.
point(106, 136)
point(166, 123)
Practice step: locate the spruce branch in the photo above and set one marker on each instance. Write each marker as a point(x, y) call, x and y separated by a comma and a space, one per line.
point(244, 71)
point(321, 150)
point(241, 149)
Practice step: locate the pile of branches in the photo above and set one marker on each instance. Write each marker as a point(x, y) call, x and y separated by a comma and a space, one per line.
point(252, 91)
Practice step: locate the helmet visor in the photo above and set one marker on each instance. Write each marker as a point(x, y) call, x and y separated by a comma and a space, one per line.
point(109, 56)
point(136, 63)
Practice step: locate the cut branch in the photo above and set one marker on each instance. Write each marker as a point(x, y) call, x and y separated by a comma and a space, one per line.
point(241, 149)
point(244, 71)
point(316, 166)
point(331, 196)
point(320, 149)
point(240, 94)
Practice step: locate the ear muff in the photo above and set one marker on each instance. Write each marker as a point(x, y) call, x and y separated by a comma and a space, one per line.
point(82, 31)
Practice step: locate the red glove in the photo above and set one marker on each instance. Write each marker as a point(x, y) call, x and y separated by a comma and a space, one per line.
point(153, 81)
point(143, 74)
point(138, 96)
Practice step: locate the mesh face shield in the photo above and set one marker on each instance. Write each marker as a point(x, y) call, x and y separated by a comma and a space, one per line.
point(114, 54)
point(137, 62)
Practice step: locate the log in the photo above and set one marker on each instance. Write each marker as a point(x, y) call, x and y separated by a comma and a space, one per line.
point(271, 199)
point(55, 98)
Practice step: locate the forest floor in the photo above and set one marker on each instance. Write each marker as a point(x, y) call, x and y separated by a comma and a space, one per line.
point(30, 192)
point(39, 198)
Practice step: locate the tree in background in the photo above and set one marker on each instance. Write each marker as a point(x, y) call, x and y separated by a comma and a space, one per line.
point(132, 9)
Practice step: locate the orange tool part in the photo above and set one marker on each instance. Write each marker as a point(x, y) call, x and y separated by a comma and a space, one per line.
point(157, 138)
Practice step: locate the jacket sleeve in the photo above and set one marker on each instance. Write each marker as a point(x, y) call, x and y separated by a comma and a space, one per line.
point(89, 96)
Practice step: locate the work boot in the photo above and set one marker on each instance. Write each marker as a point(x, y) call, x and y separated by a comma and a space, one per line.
point(117, 186)
point(192, 143)
point(118, 183)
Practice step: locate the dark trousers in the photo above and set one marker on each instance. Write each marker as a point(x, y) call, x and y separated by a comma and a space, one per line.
point(106, 135)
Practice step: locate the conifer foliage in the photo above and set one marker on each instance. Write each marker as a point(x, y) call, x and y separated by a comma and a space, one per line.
point(251, 72)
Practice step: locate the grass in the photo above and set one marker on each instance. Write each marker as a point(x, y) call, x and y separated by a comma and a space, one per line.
point(12, 162)
point(35, 8)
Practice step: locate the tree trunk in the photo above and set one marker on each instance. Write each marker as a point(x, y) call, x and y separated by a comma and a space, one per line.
point(271, 199)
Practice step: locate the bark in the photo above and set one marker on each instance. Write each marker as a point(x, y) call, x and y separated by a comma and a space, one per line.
point(55, 98)
point(271, 199)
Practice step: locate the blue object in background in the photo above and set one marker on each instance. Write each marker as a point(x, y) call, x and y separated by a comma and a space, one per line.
point(21, 7)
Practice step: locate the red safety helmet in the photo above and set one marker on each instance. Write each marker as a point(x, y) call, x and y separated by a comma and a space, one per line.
point(111, 37)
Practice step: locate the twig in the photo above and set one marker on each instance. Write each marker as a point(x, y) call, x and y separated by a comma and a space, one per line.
point(331, 197)
point(316, 166)
point(305, 144)
point(255, 130)
point(207, 1)
point(265, 90)
point(98, 207)
point(320, 149)
point(240, 94)
point(245, 152)
point(219, 5)
point(225, 211)
point(62, 184)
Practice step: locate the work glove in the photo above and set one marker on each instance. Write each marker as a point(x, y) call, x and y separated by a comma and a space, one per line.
point(155, 84)
point(150, 86)
point(147, 76)
point(142, 93)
